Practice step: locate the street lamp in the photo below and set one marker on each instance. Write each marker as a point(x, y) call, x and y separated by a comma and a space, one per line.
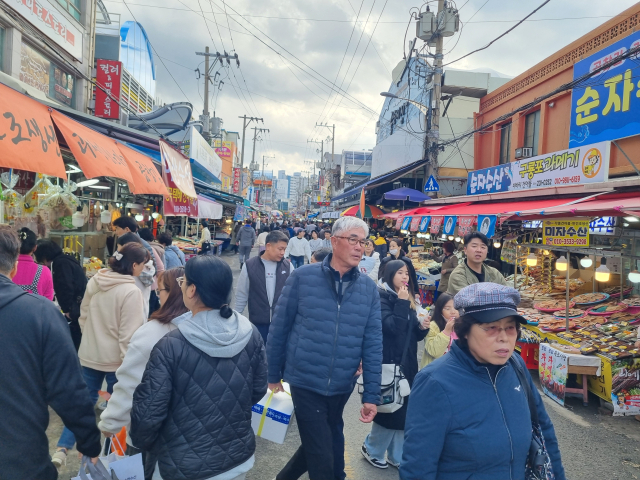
point(423, 108)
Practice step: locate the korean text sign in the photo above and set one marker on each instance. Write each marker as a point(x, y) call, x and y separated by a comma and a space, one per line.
point(108, 76)
point(553, 367)
point(607, 107)
point(566, 233)
point(573, 166)
point(176, 203)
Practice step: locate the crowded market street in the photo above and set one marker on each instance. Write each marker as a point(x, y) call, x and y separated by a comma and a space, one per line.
point(594, 445)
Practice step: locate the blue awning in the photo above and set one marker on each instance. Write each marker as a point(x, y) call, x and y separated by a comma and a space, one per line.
point(202, 174)
point(379, 180)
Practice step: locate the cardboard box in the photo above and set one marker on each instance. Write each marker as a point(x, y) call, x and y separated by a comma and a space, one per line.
point(277, 417)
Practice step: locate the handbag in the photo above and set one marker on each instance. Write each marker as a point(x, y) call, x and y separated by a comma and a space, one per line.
point(394, 386)
point(538, 465)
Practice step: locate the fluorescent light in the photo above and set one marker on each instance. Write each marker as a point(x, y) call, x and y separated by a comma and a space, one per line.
point(86, 183)
point(99, 187)
point(73, 169)
point(532, 260)
point(561, 264)
point(586, 262)
point(634, 276)
point(632, 219)
point(139, 217)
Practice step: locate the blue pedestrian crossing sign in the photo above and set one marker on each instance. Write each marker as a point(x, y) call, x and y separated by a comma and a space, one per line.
point(431, 185)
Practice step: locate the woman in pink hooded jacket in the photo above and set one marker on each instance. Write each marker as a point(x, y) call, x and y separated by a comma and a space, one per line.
point(32, 277)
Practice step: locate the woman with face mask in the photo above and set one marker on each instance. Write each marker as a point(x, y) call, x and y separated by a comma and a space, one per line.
point(396, 253)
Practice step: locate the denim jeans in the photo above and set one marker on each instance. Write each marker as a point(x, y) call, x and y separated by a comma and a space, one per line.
point(382, 440)
point(93, 379)
point(297, 261)
point(245, 253)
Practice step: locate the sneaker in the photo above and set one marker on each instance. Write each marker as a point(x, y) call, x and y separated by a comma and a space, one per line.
point(397, 465)
point(373, 461)
point(102, 406)
point(59, 458)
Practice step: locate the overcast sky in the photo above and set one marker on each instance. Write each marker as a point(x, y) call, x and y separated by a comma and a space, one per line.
point(292, 97)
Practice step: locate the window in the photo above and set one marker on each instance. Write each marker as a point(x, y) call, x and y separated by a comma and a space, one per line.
point(505, 143)
point(71, 6)
point(532, 131)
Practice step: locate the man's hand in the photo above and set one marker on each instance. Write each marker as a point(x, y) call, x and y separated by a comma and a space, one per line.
point(368, 412)
point(276, 387)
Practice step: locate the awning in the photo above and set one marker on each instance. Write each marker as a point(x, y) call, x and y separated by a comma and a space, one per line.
point(379, 180)
point(604, 205)
point(146, 178)
point(209, 208)
point(421, 211)
point(224, 198)
point(406, 194)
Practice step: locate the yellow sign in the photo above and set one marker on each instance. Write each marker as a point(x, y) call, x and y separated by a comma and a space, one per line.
point(566, 233)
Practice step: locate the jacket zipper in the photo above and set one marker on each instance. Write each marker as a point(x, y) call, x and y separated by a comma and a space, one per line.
point(335, 336)
point(503, 418)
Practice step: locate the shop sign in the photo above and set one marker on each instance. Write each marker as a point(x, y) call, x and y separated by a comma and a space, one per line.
point(449, 225)
point(573, 166)
point(487, 225)
point(241, 213)
point(201, 152)
point(406, 223)
point(424, 224)
point(225, 150)
point(63, 86)
point(566, 233)
point(108, 76)
point(465, 225)
point(34, 69)
point(436, 223)
point(399, 223)
point(607, 107)
point(415, 223)
point(604, 226)
point(176, 203)
point(625, 390)
point(48, 20)
point(553, 367)
point(236, 180)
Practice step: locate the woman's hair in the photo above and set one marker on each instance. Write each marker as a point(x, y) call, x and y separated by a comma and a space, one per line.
point(174, 305)
point(165, 239)
point(122, 261)
point(373, 245)
point(28, 241)
point(312, 232)
point(437, 316)
point(146, 234)
point(47, 250)
point(129, 238)
point(390, 271)
point(213, 280)
point(463, 326)
point(448, 247)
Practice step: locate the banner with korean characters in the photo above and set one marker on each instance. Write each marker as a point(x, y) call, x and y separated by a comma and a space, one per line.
point(406, 223)
point(415, 224)
point(566, 233)
point(552, 368)
point(399, 223)
point(465, 225)
point(176, 203)
point(424, 224)
point(108, 81)
point(236, 180)
point(436, 223)
point(625, 386)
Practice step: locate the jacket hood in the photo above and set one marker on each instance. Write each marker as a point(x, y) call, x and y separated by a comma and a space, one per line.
point(178, 320)
point(384, 288)
point(106, 279)
point(215, 335)
point(9, 291)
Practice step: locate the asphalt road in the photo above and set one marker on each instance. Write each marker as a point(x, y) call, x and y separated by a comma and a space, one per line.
point(594, 445)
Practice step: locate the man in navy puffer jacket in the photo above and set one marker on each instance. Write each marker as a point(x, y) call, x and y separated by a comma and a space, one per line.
point(326, 321)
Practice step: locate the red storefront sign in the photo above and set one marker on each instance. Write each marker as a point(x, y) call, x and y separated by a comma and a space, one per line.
point(436, 223)
point(465, 225)
point(177, 203)
point(236, 179)
point(108, 78)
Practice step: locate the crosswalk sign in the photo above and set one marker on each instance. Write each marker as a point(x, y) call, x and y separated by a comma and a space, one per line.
point(431, 185)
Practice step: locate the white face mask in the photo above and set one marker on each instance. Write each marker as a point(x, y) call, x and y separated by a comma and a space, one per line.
point(393, 251)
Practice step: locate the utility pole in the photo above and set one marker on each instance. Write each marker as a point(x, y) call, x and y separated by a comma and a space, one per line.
point(244, 129)
point(434, 133)
point(256, 130)
point(333, 143)
point(262, 187)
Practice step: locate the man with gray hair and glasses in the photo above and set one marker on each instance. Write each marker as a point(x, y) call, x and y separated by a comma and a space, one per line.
point(38, 368)
point(327, 320)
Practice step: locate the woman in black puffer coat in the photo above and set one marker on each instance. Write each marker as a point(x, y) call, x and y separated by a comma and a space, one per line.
point(192, 409)
point(399, 319)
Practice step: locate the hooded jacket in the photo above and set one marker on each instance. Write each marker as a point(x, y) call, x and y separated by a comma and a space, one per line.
point(246, 236)
point(112, 310)
point(173, 257)
point(39, 368)
point(69, 283)
point(193, 406)
point(480, 428)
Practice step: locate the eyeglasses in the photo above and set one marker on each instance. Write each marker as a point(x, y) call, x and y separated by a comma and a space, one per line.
point(353, 240)
point(180, 281)
point(494, 331)
point(158, 290)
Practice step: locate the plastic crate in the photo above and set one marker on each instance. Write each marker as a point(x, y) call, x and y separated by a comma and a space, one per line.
point(529, 353)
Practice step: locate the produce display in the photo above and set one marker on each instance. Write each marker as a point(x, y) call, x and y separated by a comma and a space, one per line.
point(608, 308)
point(552, 305)
point(632, 302)
point(603, 340)
point(573, 312)
point(590, 298)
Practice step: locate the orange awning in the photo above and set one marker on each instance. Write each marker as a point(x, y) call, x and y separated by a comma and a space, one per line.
point(27, 137)
point(180, 168)
point(97, 155)
point(146, 178)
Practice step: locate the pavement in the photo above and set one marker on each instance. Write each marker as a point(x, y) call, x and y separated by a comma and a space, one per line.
point(594, 445)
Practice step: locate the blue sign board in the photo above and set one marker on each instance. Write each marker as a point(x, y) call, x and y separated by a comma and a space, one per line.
point(449, 224)
point(487, 225)
point(406, 223)
point(424, 224)
point(431, 185)
point(489, 180)
point(607, 107)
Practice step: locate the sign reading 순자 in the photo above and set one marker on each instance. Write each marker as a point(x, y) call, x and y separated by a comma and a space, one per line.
point(573, 166)
point(566, 233)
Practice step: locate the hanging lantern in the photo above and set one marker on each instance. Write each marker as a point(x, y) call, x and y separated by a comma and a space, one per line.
point(634, 276)
point(603, 273)
point(561, 264)
point(77, 219)
point(586, 262)
point(532, 260)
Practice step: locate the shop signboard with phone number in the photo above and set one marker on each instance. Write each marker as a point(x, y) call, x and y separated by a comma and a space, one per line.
point(566, 233)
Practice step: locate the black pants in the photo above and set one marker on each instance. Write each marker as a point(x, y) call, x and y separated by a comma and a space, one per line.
point(320, 425)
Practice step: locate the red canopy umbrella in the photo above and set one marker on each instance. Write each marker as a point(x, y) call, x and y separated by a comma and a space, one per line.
point(369, 212)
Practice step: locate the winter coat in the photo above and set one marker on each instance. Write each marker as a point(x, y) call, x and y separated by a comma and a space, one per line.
point(246, 236)
point(322, 327)
point(462, 276)
point(173, 257)
point(398, 320)
point(298, 247)
point(39, 368)
point(25, 276)
point(381, 246)
point(435, 345)
point(461, 424)
point(193, 406)
point(111, 311)
point(370, 265)
point(449, 264)
point(69, 283)
point(405, 259)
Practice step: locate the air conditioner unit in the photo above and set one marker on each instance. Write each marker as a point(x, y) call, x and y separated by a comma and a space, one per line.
point(524, 152)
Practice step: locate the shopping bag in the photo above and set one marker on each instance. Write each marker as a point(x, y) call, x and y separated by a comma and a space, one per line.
point(96, 472)
point(125, 467)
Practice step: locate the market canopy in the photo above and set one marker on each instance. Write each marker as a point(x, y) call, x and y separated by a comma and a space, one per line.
point(606, 205)
point(209, 208)
point(406, 194)
point(146, 178)
point(369, 212)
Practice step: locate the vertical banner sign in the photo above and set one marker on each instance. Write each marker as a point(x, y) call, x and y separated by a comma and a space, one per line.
point(236, 180)
point(399, 223)
point(487, 225)
point(566, 233)
point(176, 203)
point(436, 223)
point(108, 76)
point(553, 366)
point(180, 168)
point(406, 223)
point(415, 223)
point(424, 224)
point(449, 225)
point(465, 225)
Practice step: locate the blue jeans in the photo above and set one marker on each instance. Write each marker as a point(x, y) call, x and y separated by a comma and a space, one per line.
point(382, 440)
point(93, 379)
point(297, 261)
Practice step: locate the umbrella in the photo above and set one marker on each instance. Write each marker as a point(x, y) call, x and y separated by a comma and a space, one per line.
point(369, 212)
point(406, 194)
point(276, 213)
